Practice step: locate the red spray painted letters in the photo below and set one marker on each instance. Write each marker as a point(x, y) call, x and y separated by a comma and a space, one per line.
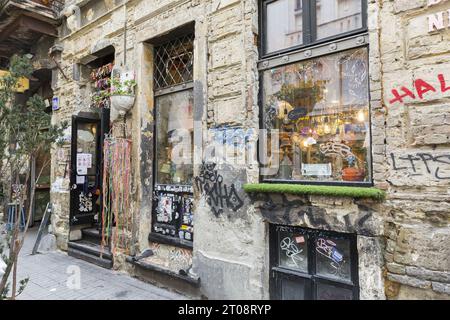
point(421, 87)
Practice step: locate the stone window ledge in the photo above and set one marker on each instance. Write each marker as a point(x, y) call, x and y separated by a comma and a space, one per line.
point(160, 269)
point(159, 238)
point(329, 191)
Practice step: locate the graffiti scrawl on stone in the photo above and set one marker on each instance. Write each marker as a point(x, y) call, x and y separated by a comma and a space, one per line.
point(218, 194)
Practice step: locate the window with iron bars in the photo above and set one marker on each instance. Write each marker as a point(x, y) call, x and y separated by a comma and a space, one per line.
point(174, 129)
point(174, 62)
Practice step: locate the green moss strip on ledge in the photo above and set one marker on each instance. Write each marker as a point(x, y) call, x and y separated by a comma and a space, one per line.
point(332, 191)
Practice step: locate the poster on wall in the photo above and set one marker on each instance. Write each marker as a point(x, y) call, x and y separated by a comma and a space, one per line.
point(84, 162)
point(80, 179)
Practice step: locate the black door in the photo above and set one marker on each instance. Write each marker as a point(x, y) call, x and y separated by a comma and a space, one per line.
point(86, 170)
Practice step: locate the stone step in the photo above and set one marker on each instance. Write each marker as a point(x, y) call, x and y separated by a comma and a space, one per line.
point(92, 234)
point(101, 262)
point(91, 248)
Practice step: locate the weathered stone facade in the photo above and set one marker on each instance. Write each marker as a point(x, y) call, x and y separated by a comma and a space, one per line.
point(403, 242)
point(416, 211)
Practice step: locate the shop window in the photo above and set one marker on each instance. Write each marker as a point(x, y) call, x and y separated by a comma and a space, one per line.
point(320, 109)
point(315, 106)
point(298, 23)
point(174, 133)
point(310, 264)
point(173, 87)
point(337, 17)
point(284, 25)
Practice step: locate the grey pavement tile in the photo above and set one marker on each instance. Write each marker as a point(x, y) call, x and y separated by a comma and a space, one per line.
point(48, 277)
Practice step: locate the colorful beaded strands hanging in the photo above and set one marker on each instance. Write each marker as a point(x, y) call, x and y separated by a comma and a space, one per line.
point(116, 194)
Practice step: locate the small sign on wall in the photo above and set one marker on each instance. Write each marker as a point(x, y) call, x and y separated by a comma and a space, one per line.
point(316, 169)
point(440, 20)
point(55, 103)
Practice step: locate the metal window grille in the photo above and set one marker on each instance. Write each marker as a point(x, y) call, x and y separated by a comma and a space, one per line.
point(174, 62)
point(57, 5)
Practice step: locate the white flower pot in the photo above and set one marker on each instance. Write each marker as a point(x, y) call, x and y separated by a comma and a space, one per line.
point(121, 104)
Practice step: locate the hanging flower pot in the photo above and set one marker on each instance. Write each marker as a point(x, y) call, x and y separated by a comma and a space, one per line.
point(122, 97)
point(122, 103)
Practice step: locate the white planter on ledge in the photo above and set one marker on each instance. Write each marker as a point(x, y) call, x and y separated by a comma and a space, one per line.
point(120, 105)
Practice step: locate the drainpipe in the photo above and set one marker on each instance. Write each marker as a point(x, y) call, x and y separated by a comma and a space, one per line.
point(125, 36)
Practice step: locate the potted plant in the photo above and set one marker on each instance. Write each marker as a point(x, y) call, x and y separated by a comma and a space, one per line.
point(122, 95)
point(352, 172)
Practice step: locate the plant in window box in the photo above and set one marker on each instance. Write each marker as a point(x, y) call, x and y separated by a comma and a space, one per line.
point(353, 172)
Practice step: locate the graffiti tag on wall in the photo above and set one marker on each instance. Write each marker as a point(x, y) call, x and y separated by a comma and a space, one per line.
point(434, 164)
point(218, 194)
point(421, 88)
point(328, 249)
point(278, 209)
point(291, 250)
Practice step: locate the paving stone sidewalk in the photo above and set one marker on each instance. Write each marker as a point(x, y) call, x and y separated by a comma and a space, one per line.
point(52, 276)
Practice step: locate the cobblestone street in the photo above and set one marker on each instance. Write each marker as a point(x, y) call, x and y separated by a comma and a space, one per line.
point(50, 274)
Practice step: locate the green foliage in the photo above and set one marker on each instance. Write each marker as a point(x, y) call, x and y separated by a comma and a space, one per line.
point(122, 88)
point(117, 88)
point(25, 131)
point(331, 191)
point(20, 66)
point(4, 246)
point(22, 285)
point(303, 94)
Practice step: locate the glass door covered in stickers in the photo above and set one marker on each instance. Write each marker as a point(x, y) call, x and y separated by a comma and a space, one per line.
point(86, 171)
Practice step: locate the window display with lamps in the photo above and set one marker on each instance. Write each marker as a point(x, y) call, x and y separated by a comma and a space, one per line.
point(315, 97)
point(320, 108)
